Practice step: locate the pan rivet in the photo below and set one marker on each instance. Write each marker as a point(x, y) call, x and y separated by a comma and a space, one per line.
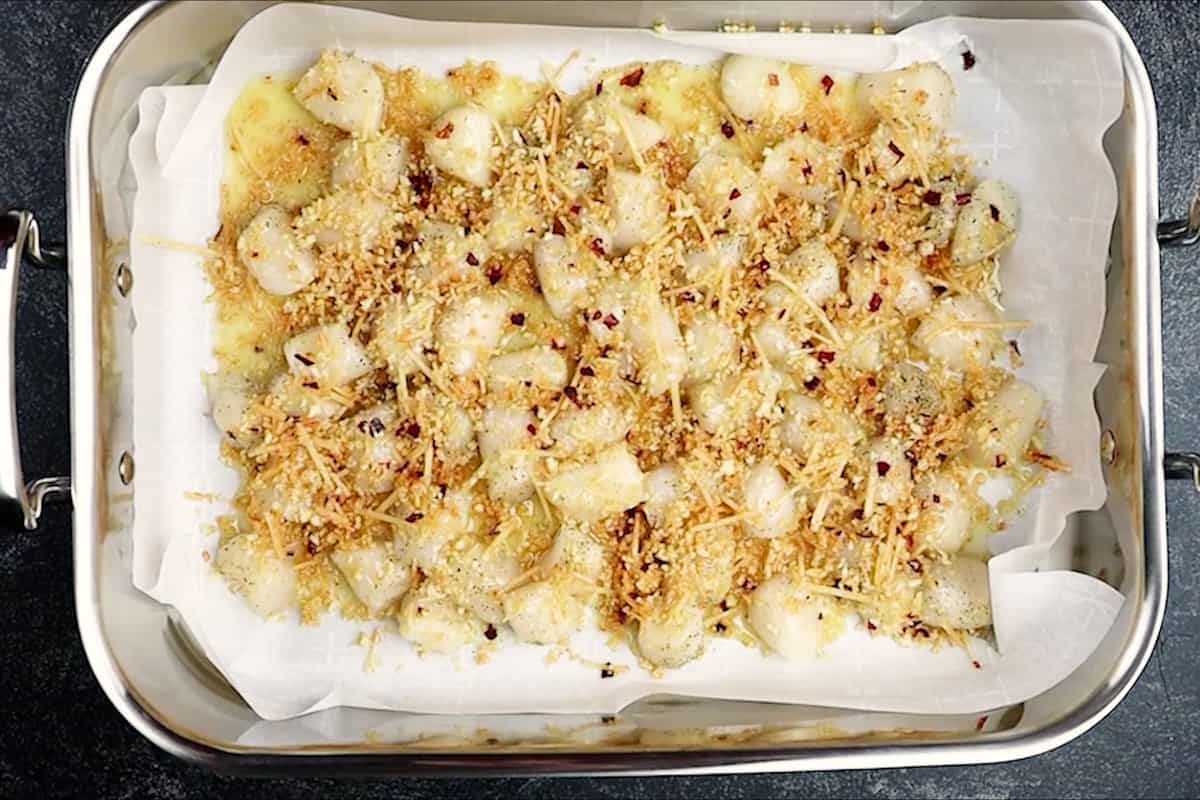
point(1108, 447)
point(124, 279)
point(125, 468)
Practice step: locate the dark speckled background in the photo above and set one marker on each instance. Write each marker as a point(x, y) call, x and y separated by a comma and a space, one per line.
point(60, 737)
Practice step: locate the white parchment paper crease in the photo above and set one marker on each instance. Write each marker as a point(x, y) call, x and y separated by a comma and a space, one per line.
point(1032, 111)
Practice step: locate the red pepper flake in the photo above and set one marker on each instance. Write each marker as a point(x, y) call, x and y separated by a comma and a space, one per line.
point(610, 321)
point(915, 566)
point(332, 94)
point(763, 265)
point(687, 296)
point(599, 88)
point(606, 671)
point(804, 127)
point(596, 246)
point(968, 60)
point(422, 186)
point(932, 198)
point(445, 131)
point(827, 83)
point(962, 198)
point(494, 273)
point(414, 517)
point(882, 246)
point(772, 79)
point(871, 626)
point(595, 315)
point(375, 426)
point(976, 664)
point(472, 260)
point(734, 194)
point(1001, 460)
point(532, 429)
point(587, 372)
point(995, 212)
point(517, 319)
point(726, 129)
point(812, 383)
point(1016, 348)
point(489, 632)
point(311, 385)
point(871, 381)
point(937, 498)
point(572, 394)
point(557, 227)
point(301, 140)
point(896, 151)
point(576, 208)
point(874, 303)
point(311, 546)
point(303, 359)
point(882, 467)
point(413, 429)
point(581, 165)
point(938, 291)
point(806, 170)
point(825, 356)
point(632, 78)
point(980, 723)
point(719, 627)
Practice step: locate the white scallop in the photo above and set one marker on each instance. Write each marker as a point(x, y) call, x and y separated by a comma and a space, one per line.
point(514, 228)
point(542, 613)
point(921, 92)
point(899, 157)
point(469, 331)
point(914, 294)
point(610, 483)
point(986, 224)
point(375, 573)
point(543, 366)
point(265, 581)
point(806, 424)
point(376, 163)
point(722, 404)
point(1002, 426)
point(638, 207)
point(562, 272)
point(957, 596)
point(374, 449)
point(674, 638)
point(402, 330)
point(626, 130)
point(344, 91)
point(657, 342)
point(348, 220)
point(945, 522)
point(327, 354)
point(431, 621)
point(273, 253)
point(781, 349)
point(446, 252)
point(786, 619)
point(707, 264)
point(804, 167)
point(895, 485)
point(768, 500)
point(711, 346)
point(865, 352)
point(725, 186)
point(575, 552)
point(941, 336)
point(817, 270)
point(758, 88)
point(597, 426)
point(664, 485)
point(475, 577)
point(460, 143)
point(298, 400)
point(229, 397)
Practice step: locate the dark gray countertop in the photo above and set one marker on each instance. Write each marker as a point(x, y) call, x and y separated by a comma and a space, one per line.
point(60, 736)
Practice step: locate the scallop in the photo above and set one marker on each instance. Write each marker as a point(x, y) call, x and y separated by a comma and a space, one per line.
point(347, 221)
point(577, 429)
point(807, 424)
point(1003, 426)
point(673, 637)
point(476, 575)
point(899, 157)
point(327, 354)
point(504, 433)
point(403, 329)
point(638, 207)
point(707, 264)
point(657, 342)
point(344, 91)
point(460, 144)
point(769, 502)
point(891, 471)
point(542, 613)
point(781, 348)
point(946, 333)
point(864, 352)
point(610, 483)
point(920, 92)
point(374, 449)
point(446, 252)
point(788, 620)
point(374, 572)
point(272, 252)
point(454, 435)
point(725, 186)
point(264, 580)
point(514, 227)
point(469, 331)
point(563, 272)
point(946, 520)
point(914, 295)
point(541, 366)
point(375, 163)
point(910, 392)
point(434, 623)
point(229, 398)
point(664, 486)
point(986, 224)
point(626, 130)
point(722, 404)
point(422, 544)
point(803, 167)
point(956, 595)
point(758, 88)
point(817, 271)
point(575, 552)
point(300, 397)
point(711, 346)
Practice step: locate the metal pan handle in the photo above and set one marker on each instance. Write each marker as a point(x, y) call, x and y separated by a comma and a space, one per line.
point(1182, 233)
point(19, 241)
